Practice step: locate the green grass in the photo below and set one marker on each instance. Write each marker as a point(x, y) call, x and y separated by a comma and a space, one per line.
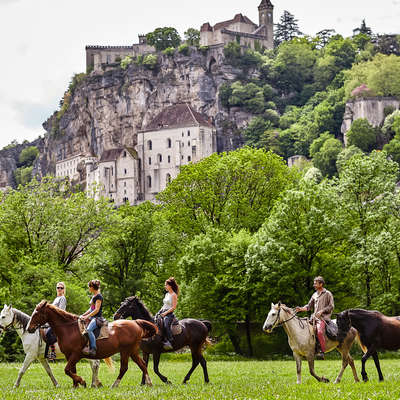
point(229, 380)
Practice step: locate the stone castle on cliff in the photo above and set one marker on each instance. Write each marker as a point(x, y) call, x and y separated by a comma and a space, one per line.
point(239, 29)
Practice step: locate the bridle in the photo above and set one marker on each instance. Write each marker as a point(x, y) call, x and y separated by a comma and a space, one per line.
point(278, 323)
point(10, 324)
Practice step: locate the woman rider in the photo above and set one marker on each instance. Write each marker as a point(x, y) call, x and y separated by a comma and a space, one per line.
point(61, 302)
point(95, 311)
point(167, 311)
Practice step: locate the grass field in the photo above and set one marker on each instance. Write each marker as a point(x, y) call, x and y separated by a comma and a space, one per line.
point(229, 380)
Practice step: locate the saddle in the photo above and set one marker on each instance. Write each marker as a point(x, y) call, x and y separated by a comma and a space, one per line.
point(176, 327)
point(102, 330)
point(331, 329)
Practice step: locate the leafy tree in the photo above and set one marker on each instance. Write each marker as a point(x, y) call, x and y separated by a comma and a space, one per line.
point(325, 158)
point(362, 135)
point(324, 36)
point(161, 38)
point(28, 156)
point(255, 130)
point(393, 149)
point(23, 175)
point(192, 37)
point(286, 29)
point(363, 29)
point(345, 155)
point(229, 191)
point(387, 44)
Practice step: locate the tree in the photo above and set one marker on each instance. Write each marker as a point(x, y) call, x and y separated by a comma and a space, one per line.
point(325, 158)
point(192, 37)
point(28, 156)
point(345, 155)
point(286, 29)
point(362, 135)
point(324, 36)
point(162, 38)
point(363, 29)
point(255, 130)
point(229, 191)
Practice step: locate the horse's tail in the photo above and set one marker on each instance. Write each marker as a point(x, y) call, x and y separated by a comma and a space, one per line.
point(149, 329)
point(207, 324)
point(207, 342)
point(363, 348)
point(109, 363)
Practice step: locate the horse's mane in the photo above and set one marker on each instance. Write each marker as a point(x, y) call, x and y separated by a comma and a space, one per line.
point(64, 314)
point(141, 306)
point(365, 313)
point(21, 318)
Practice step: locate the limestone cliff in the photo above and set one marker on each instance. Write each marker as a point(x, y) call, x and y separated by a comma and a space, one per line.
point(108, 108)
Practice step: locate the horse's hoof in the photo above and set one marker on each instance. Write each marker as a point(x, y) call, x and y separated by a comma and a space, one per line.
point(168, 382)
point(83, 383)
point(99, 384)
point(325, 380)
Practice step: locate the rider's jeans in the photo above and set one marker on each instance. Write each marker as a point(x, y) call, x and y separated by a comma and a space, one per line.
point(320, 333)
point(91, 327)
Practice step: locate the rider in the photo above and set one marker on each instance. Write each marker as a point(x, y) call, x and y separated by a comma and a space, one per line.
point(170, 302)
point(95, 311)
point(322, 304)
point(61, 302)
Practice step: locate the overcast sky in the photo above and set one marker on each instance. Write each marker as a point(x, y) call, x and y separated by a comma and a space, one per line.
point(43, 42)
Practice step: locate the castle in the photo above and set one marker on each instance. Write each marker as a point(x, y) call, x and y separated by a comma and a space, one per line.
point(240, 29)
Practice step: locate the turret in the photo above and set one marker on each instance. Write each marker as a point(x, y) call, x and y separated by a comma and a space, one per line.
point(266, 18)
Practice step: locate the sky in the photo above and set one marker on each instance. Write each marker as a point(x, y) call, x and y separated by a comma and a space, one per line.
point(43, 42)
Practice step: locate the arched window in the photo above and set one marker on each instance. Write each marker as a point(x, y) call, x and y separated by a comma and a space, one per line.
point(169, 143)
point(149, 145)
point(149, 181)
point(167, 178)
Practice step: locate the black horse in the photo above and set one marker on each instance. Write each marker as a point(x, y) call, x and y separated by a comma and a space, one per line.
point(376, 332)
point(194, 334)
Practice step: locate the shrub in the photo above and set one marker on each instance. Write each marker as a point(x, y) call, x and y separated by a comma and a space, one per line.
point(125, 62)
point(184, 49)
point(150, 61)
point(169, 51)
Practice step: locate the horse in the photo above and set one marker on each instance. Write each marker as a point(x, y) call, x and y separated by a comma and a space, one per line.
point(377, 332)
point(124, 337)
point(194, 334)
point(34, 346)
point(302, 340)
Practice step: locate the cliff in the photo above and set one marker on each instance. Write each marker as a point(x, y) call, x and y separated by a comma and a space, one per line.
point(107, 108)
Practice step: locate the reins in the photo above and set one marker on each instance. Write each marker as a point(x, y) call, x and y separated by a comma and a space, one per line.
point(277, 324)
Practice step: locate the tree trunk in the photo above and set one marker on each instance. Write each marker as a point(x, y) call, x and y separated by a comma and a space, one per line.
point(248, 336)
point(234, 338)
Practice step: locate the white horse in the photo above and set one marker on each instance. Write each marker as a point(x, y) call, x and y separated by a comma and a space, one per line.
point(34, 346)
point(302, 340)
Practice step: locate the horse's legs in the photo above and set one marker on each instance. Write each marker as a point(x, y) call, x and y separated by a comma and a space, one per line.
point(156, 362)
point(203, 364)
point(95, 364)
point(310, 360)
point(345, 361)
point(146, 361)
point(70, 370)
point(364, 359)
point(195, 363)
point(377, 365)
point(46, 366)
point(142, 365)
point(297, 357)
point(27, 362)
point(123, 367)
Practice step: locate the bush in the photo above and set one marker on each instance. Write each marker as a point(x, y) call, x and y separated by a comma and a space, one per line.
point(169, 51)
point(203, 49)
point(184, 49)
point(28, 156)
point(125, 62)
point(150, 61)
point(362, 135)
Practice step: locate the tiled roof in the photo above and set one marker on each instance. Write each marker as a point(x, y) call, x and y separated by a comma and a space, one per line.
point(237, 18)
point(265, 3)
point(178, 115)
point(113, 154)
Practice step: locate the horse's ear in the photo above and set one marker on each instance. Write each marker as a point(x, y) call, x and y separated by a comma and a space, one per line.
point(272, 305)
point(10, 307)
point(279, 303)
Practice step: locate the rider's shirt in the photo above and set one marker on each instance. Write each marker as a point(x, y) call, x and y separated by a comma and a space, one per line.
point(322, 302)
point(93, 305)
point(60, 302)
point(167, 302)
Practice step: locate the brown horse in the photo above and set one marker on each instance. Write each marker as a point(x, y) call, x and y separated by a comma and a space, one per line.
point(194, 334)
point(124, 337)
point(377, 332)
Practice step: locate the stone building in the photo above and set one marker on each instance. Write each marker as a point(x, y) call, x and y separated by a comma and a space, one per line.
point(175, 137)
point(68, 167)
point(113, 176)
point(98, 55)
point(242, 30)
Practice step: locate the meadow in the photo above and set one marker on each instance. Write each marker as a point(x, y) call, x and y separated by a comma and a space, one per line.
point(242, 379)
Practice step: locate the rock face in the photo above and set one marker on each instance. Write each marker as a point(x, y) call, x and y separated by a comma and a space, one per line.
point(372, 109)
point(108, 108)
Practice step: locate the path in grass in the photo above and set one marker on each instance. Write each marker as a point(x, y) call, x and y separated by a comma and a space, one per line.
point(229, 380)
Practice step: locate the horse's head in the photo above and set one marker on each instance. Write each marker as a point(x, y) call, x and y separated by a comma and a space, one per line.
point(273, 317)
point(6, 318)
point(343, 322)
point(127, 308)
point(38, 317)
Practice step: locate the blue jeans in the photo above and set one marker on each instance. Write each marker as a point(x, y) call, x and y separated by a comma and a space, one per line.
point(91, 327)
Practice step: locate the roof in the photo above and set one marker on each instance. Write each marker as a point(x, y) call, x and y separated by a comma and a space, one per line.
point(113, 154)
point(178, 115)
point(237, 18)
point(265, 4)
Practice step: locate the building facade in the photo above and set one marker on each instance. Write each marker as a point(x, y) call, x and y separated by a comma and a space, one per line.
point(177, 136)
point(69, 167)
point(242, 30)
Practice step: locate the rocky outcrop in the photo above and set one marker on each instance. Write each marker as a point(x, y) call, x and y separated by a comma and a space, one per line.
point(374, 109)
point(109, 107)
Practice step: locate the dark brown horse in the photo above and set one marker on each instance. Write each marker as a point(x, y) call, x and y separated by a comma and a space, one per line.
point(376, 331)
point(124, 337)
point(194, 334)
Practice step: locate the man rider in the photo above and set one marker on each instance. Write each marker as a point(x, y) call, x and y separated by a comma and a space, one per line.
point(322, 304)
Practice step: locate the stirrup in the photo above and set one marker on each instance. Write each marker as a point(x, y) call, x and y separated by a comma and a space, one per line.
point(320, 355)
point(167, 345)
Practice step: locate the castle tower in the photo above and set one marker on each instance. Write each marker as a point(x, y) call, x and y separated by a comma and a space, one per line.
point(266, 18)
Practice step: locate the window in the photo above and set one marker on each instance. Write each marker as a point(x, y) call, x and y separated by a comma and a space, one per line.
point(159, 157)
point(112, 171)
point(108, 59)
point(183, 134)
point(149, 182)
point(168, 178)
point(125, 171)
point(125, 200)
point(189, 158)
point(188, 133)
point(124, 191)
point(140, 163)
point(149, 145)
point(169, 143)
point(182, 157)
point(169, 159)
point(124, 154)
point(189, 143)
point(149, 160)
point(124, 184)
point(105, 172)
